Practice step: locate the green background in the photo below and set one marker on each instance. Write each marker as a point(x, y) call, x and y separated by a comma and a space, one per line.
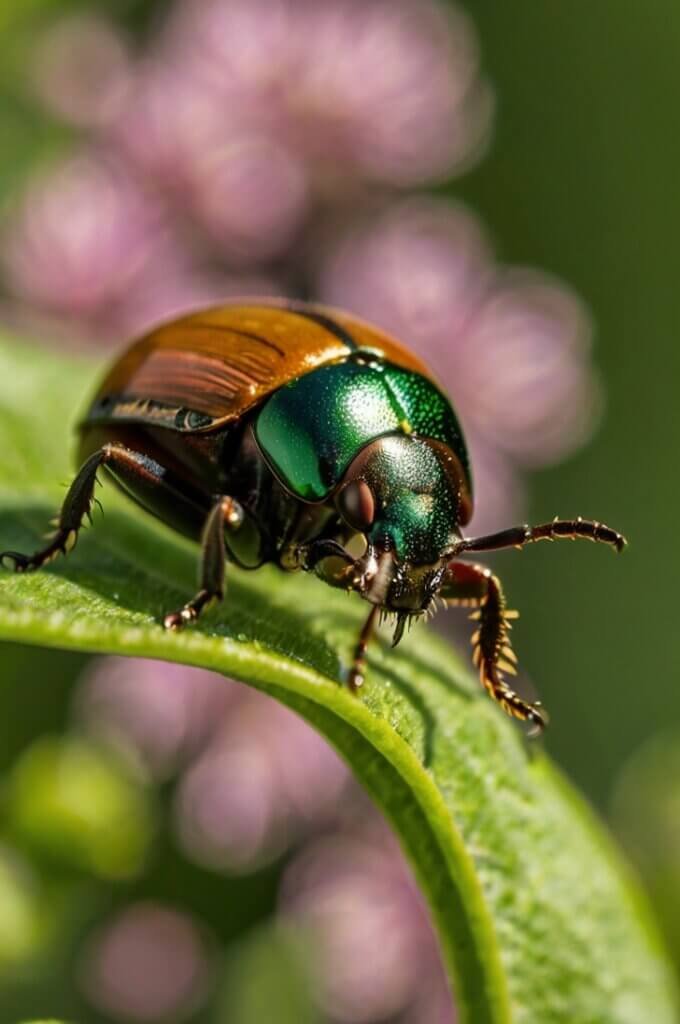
point(582, 180)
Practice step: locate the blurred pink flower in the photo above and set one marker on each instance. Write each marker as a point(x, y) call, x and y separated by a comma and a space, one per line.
point(82, 235)
point(250, 197)
point(376, 956)
point(172, 287)
point(263, 783)
point(387, 90)
point(510, 347)
point(227, 131)
point(162, 713)
point(81, 69)
point(254, 776)
point(92, 254)
point(170, 124)
point(240, 186)
point(150, 963)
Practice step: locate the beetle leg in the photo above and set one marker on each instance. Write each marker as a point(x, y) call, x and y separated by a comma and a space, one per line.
point(356, 674)
point(518, 536)
point(225, 513)
point(476, 586)
point(78, 504)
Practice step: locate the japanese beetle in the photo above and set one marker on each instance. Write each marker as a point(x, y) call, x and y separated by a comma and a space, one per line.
point(286, 433)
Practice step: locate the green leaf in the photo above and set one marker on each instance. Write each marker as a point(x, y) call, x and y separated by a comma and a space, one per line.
point(538, 918)
point(69, 801)
point(268, 968)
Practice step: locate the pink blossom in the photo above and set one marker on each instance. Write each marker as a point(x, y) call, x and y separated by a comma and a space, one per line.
point(376, 955)
point(227, 132)
point(163, 713)
point(173, 287)
point(81, 236)
point(388, 90)
point(243, 188)
point(499, 491)
point(149, 963)
point(264, 782)
point(81, 69)
point(90, 253)
point(526, 358)
point(170, 124)
point(254, 777)
point(250, 197)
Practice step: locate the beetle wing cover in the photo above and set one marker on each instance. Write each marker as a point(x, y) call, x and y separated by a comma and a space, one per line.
point(223, 361)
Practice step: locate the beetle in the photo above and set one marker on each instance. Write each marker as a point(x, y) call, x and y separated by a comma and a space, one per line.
point(289, 433)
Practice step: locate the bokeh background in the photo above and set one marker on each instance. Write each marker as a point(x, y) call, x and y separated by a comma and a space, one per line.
point(497, 184)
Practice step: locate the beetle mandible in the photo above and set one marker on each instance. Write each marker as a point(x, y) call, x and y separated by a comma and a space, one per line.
point(282, 432)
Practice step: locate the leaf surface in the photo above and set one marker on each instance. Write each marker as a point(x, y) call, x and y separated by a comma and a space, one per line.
point(539, 920)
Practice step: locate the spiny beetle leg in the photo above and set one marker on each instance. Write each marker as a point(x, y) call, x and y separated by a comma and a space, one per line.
point(557, 529)
point(225, 513)
point(476, 586)
point(78, 503)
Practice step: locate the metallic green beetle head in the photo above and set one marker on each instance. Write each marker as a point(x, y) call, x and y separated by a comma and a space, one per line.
point(409, 496)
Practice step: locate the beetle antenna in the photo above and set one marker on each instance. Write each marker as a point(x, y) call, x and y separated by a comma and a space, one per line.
point(557, 529)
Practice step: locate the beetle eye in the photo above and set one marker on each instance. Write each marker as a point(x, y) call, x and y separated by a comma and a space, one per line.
point(356, 504)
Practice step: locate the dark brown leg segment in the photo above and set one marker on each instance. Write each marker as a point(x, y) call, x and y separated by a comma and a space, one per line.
point(356, 675)
point(79, 500)
point(558, 529)
point(476, 586)
point(226, 513)
point(132, 466)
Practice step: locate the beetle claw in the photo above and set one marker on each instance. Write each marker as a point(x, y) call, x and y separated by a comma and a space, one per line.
point(176, 620)
point(355, 679)
point(539, 719)
point(16, 562)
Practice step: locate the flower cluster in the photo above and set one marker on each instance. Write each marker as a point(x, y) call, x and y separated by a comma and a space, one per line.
point(206, 159)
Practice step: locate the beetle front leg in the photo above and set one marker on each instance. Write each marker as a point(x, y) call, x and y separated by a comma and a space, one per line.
point(78, 504)
point(226, 513)
point(335, 566)
point(356, 674)
point(476, 586)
